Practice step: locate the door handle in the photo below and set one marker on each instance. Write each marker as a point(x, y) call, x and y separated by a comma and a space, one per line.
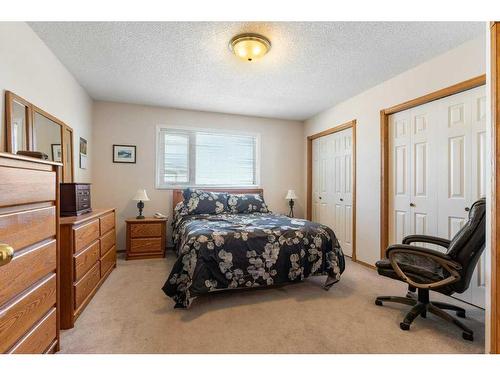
point(412, 204)
point(341, 199)
point(6, 254)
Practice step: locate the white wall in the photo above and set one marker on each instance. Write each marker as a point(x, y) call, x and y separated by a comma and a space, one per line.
point(29, 69)
point(114, 185)
point(459, 64)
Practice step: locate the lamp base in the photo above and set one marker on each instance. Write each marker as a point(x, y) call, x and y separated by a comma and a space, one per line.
point(140, 206)
point(291, 203)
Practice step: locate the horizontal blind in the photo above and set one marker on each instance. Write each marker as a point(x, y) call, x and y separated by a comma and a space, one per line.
point(204, 158)
point(223, 159)
point(174, 158)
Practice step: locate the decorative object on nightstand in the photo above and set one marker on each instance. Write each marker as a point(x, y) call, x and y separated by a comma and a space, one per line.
point(141, 196)
point(146, 238)
point(290, 196)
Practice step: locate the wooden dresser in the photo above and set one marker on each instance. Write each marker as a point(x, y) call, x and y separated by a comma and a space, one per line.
point(29, 252)
point(88, 255)
point(146, 238)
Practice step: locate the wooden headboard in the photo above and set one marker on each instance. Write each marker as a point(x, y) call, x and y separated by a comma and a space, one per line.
point(178, 197)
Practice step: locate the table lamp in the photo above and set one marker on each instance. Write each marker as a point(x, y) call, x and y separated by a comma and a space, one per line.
point(141, 196)
point(291, 196)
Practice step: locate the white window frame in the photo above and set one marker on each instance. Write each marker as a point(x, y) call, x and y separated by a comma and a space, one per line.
point(191, 173)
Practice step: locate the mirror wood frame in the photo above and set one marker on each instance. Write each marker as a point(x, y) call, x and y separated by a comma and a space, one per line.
point(67, 173)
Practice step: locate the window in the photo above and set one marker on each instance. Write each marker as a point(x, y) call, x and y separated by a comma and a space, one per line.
point(205, 158)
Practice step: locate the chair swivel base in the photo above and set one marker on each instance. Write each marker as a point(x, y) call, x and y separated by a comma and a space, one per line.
point(422, 305)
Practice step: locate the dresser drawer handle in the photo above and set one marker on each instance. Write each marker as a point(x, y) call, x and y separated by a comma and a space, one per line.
point(6, 254)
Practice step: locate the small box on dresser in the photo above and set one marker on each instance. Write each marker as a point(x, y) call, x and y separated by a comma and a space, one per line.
point(88, 255)
point(146, 238)
point(75, 199)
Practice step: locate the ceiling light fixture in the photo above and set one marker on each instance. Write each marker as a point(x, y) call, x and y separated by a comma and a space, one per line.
point(249, 46)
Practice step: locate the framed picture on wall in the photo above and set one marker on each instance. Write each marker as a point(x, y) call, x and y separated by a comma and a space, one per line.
point(83, 153)
point(56, 152)
point(124, 154)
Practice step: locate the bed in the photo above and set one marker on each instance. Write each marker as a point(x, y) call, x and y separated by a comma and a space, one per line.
point(229, 249)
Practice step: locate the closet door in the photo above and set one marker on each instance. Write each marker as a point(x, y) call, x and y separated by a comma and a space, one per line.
point(342, 182)
point(463, 161)
point(399, 176)
point(455, 163)
point(332, 185)
point(423, 189)
point(322, 179)
point(478, 188)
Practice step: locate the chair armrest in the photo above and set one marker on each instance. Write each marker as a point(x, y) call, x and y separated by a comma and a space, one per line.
point(427, 239)
point(442, 259)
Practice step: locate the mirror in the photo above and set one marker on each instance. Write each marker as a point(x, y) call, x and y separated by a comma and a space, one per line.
point(19, 126)
point(47, 137)
point(17, 123)
point(29, 128)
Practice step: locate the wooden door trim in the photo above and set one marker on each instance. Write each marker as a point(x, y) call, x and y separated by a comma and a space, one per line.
point(494, 317)
point(336, 129)
point(384, 145)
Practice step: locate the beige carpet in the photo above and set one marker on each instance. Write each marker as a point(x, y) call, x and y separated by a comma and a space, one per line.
point(130, 314)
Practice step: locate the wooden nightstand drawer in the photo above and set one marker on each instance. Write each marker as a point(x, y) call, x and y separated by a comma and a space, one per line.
point(145, 230)
point(145, 245)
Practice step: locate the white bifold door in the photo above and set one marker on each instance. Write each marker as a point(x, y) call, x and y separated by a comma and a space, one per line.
point(437, 163)
point(332, 172)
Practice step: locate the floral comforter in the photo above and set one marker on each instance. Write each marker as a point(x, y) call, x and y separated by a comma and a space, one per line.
point(227, 251)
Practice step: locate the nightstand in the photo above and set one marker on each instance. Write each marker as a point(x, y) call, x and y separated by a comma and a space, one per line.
point(146, 238)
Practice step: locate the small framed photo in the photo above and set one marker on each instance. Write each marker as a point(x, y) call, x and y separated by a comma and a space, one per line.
point(83, 153)
point(124, 154)
point(56, 152)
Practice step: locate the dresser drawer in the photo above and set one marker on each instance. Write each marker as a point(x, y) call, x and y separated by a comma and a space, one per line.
point(85, 260)
point(107, 222)
point(22, 186)
point(20, 316)
point(38, 340)
point(108, 241)
point(86, 285)
point(22, 229)
point(86, 234)
point(40, 261)
point(145, 245)
point(108, 261)
point(145, 230)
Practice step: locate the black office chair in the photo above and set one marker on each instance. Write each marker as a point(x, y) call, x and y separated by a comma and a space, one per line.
point(425, 269)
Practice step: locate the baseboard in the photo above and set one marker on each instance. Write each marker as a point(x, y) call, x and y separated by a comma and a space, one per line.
point(372, 266)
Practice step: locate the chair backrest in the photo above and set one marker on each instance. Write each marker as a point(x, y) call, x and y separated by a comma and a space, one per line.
point(468, 244)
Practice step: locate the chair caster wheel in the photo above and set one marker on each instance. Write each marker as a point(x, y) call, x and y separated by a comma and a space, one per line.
point(378, 302)
point(404, 326)
point(460, 314)
point(468, 336)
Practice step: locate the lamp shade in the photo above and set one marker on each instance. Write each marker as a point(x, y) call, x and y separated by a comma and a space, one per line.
point(291, 195)
point(141, 195)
